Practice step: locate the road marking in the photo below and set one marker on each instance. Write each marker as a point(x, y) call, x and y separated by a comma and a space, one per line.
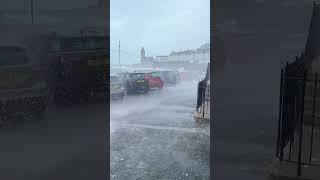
point(188, 130)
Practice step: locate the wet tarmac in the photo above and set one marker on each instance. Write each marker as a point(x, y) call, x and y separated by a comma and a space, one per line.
point(154, 136)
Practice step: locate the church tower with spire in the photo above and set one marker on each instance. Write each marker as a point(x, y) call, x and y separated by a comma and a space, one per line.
point(143, 55)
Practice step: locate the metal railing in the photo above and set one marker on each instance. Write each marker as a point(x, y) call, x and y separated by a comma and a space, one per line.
point(203, 99)
point(295, 139)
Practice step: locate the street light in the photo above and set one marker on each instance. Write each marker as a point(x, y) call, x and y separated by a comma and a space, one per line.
point(119, 57)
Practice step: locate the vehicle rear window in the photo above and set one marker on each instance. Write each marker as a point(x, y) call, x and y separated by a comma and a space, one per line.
point(136, 75)
point(155, 74)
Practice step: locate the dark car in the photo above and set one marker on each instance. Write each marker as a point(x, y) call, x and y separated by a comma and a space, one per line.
point(117, 90)
point(83, 68)
point(136, 83)
point(24, 85)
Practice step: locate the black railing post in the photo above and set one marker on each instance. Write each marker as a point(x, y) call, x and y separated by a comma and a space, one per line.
point(280, 112)
point(209, 104)
point(301, 124)
point(313, 112)
point(203, 99)
point(283, 110)
point(290, 147)
point(198, 90)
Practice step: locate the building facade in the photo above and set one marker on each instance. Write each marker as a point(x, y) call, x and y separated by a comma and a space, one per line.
point(162, 58)
point(200, 55)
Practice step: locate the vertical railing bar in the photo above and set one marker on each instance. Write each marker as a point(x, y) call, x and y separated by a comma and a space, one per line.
point(280, 112)
point(197, 108)
point(301, 125)
point(290, 150)
point(284, 104)
point(295, 116)
point(203, 99)
point(313, 112)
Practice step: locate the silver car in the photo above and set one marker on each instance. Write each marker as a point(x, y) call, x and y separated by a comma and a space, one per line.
point(117, 90)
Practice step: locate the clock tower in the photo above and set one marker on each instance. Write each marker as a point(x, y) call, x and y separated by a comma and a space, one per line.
point(143, 55)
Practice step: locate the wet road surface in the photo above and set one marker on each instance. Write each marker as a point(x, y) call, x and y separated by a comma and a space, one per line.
point(154, 136)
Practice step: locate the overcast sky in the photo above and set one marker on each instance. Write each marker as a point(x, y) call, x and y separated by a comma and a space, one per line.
point(159, 26)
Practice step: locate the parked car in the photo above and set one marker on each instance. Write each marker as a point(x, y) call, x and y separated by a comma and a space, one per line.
point(24, 86)
point(154, 79)
point(123, 77)
point(117, 90)
point(136, 83)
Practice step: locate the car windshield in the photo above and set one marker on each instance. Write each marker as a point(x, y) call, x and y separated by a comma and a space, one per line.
point(12, 56)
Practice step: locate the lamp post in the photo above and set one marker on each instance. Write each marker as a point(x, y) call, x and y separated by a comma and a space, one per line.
point(119, 57)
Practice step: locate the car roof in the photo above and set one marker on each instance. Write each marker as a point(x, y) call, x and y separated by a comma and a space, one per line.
point(136, 72)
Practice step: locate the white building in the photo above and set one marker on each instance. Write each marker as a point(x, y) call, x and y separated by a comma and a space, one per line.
point(200, 55)
point(162, 58)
